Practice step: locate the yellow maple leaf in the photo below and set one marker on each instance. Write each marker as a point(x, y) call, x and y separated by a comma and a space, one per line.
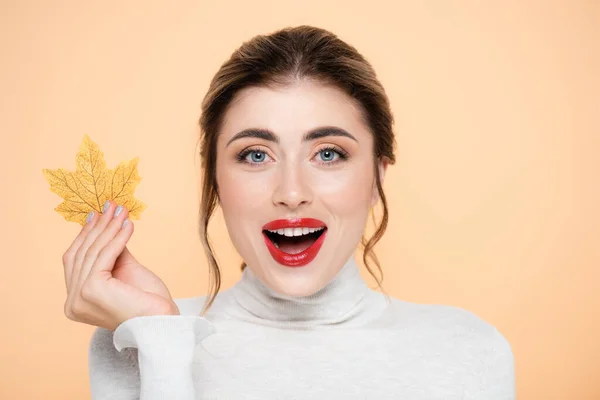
point(92, 184)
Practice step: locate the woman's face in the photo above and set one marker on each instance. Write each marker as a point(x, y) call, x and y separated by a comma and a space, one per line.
point(296, 182)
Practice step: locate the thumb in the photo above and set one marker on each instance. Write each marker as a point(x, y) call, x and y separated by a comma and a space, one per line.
point(126, 257)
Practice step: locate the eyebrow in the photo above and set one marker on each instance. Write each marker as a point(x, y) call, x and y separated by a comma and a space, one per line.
point(313, 134)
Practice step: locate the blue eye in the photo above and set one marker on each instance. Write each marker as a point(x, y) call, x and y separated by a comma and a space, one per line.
point(252, 156)
point(331, 155)
point(256, 156)
point(328, 155)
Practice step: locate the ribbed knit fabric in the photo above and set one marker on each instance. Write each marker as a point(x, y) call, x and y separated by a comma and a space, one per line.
point(344, 342)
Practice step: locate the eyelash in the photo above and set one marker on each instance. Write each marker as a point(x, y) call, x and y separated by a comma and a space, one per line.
point(342, 155)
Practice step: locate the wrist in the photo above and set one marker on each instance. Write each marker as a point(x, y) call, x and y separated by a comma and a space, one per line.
point(173, 309)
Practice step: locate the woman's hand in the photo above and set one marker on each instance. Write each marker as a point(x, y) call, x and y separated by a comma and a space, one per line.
point(105, 284)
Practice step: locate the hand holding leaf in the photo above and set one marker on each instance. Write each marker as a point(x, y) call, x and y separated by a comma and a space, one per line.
point(106, 285)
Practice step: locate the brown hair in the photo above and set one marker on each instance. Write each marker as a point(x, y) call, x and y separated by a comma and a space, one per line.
point(290, 54)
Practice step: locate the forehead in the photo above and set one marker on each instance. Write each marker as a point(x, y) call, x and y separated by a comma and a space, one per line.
point(292, 109)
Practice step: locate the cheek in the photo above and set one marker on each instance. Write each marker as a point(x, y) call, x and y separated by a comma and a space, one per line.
point(242, 196)
point(240, 192)
point(346, 192)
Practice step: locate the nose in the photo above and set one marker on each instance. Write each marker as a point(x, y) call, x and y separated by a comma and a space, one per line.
point(292, 189)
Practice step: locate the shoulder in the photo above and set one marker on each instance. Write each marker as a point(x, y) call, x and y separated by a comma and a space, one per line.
point(440, 318)
point(453, 325)
point(484, 345)
point(460, 338)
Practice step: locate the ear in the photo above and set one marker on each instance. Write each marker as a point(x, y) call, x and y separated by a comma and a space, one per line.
point(381, 170)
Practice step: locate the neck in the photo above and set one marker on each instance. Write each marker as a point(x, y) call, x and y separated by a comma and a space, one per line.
point(343, 300)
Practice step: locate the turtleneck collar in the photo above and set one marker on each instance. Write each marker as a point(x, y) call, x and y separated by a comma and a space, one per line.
point(346, 299)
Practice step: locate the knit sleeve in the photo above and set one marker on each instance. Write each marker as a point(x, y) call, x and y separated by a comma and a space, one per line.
point(146, 358)
point(498, 380)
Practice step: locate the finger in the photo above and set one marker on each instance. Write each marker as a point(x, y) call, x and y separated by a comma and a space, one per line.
point(106, 237)
point(69, 255)
point(102, 221)
point(116, 248)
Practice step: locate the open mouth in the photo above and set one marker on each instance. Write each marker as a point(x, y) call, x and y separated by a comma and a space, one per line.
point(294, 240)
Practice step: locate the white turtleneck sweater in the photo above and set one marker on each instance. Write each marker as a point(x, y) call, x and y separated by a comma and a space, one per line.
point(344, 342)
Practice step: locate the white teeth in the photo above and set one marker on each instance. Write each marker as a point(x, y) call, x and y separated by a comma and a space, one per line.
point(295, 231)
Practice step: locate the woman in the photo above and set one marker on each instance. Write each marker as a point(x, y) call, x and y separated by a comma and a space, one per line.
point(296, 139)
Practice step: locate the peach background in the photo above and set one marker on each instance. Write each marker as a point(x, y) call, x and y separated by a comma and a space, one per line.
point(493, 199)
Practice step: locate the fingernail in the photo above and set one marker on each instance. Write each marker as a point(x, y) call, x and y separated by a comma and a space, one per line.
point(118, 210)
point(106, 205)
point(125, 222)
point(89, 217)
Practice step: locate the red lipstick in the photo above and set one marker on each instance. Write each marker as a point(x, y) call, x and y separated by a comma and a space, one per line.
point(297, 259)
